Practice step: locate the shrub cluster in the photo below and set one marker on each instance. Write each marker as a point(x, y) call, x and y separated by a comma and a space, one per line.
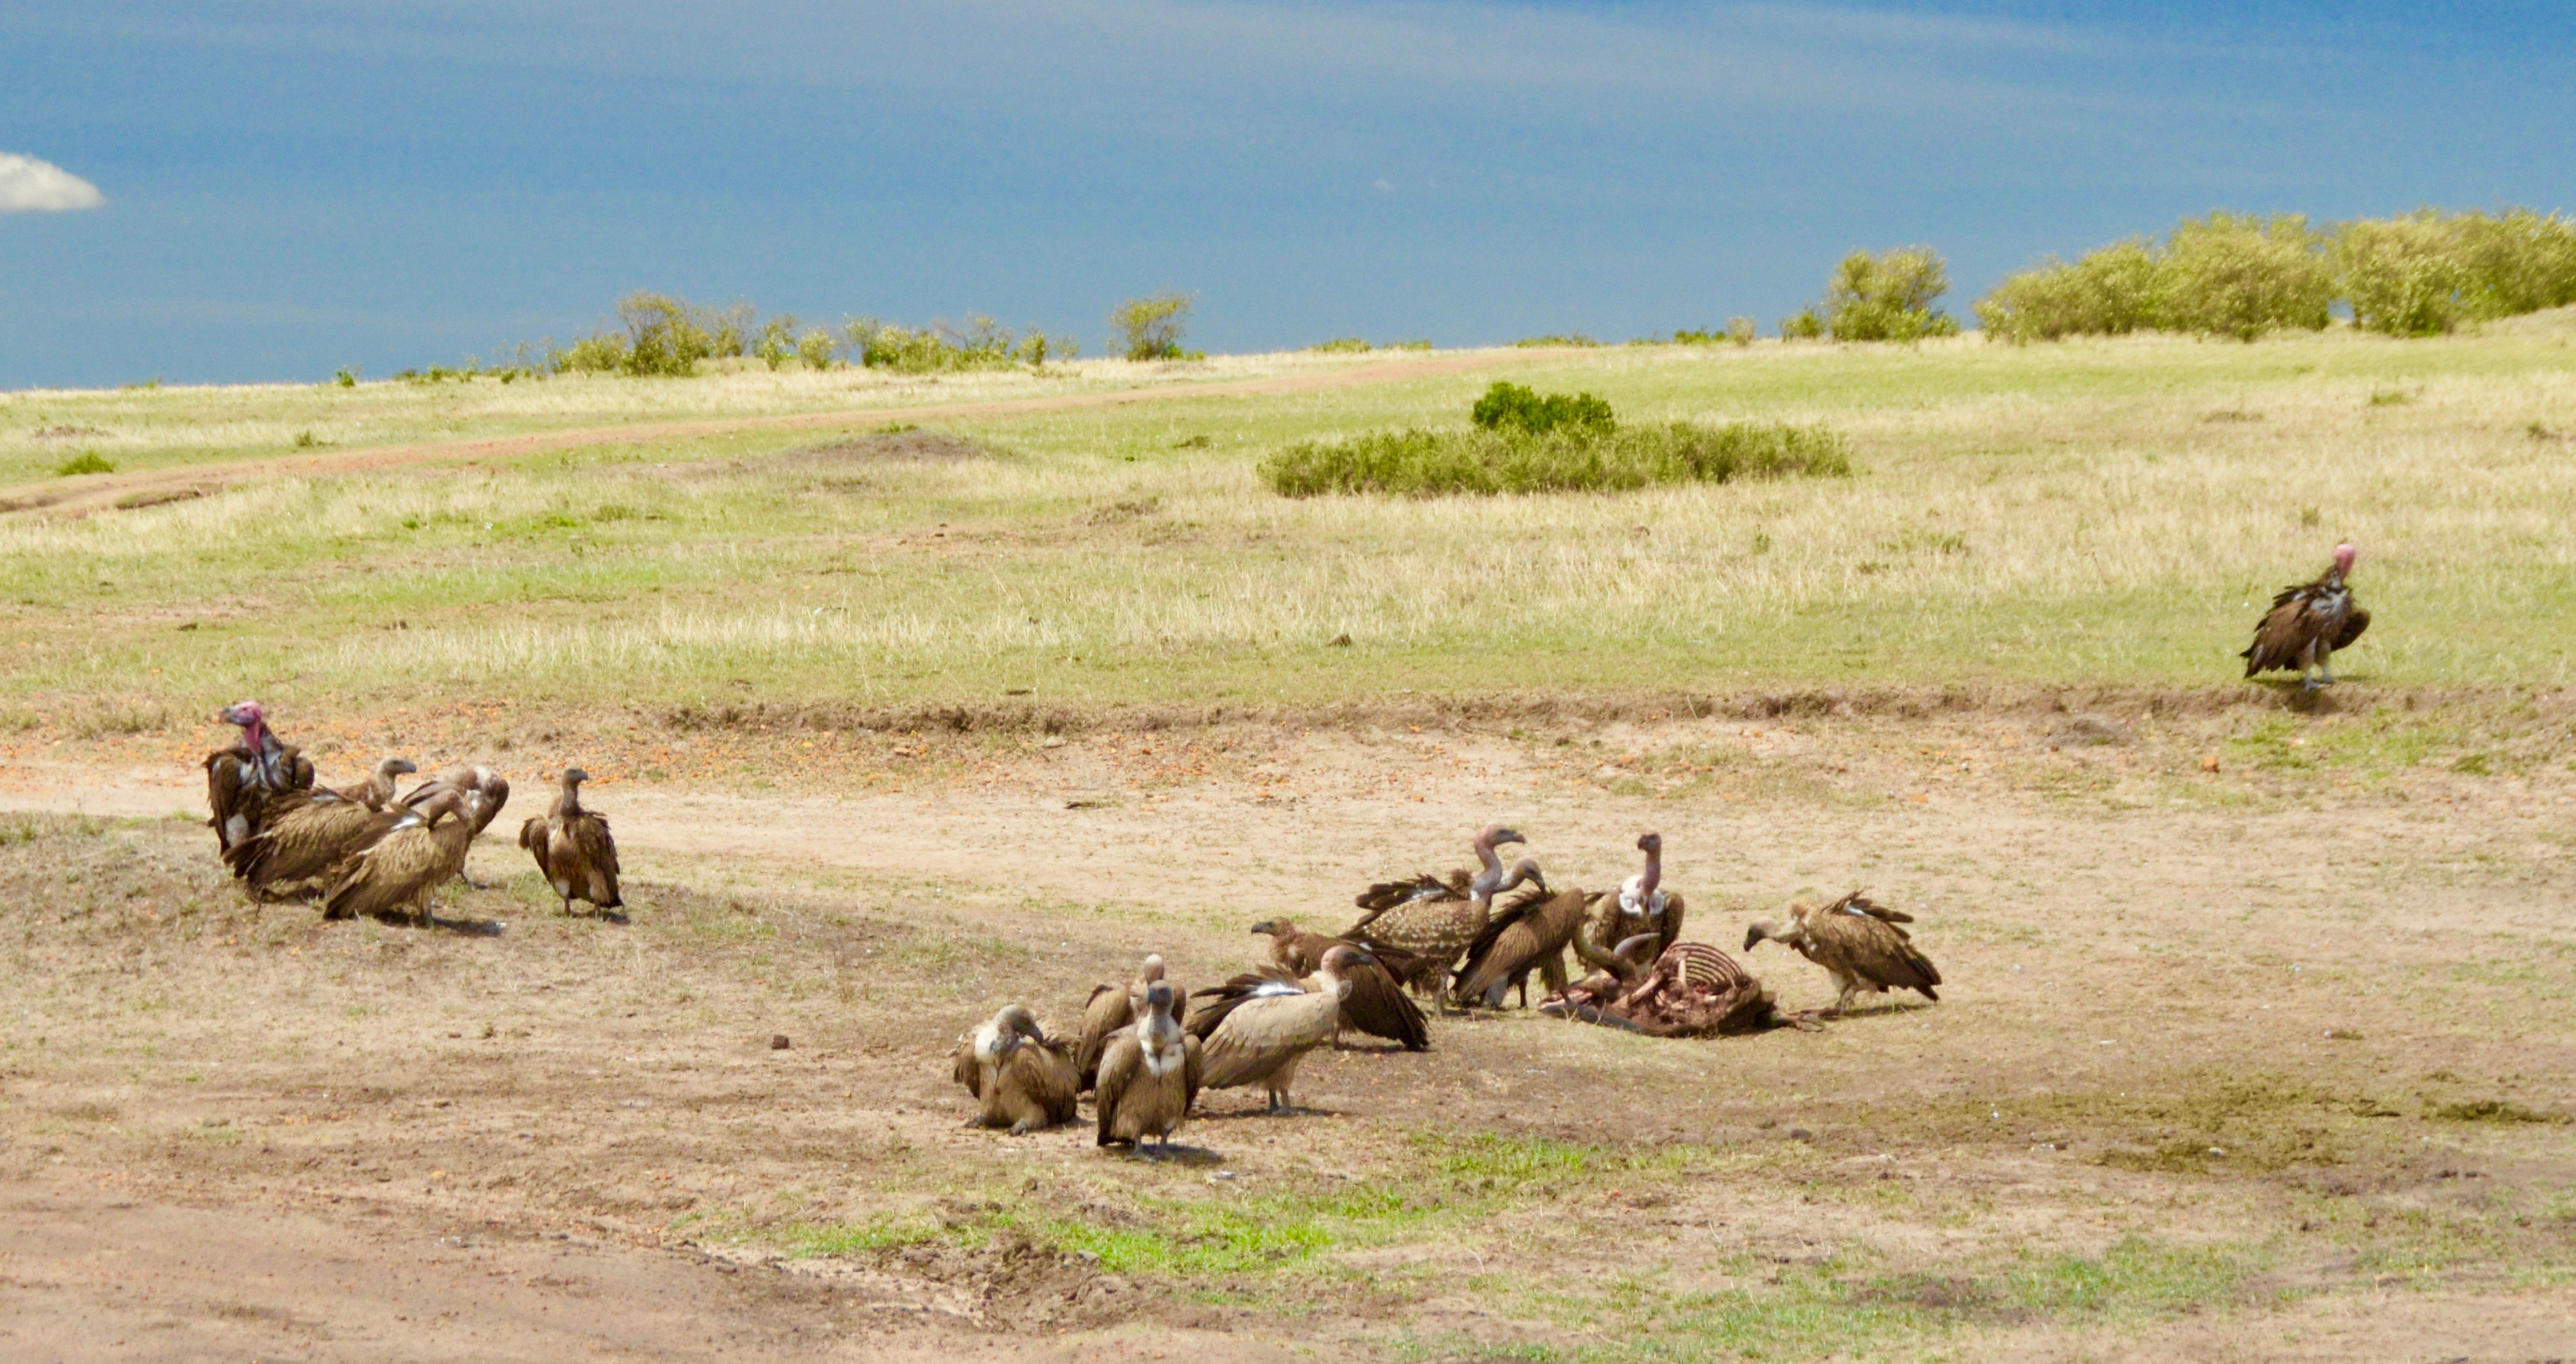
point(981, 344)
point(1428, 463)
point(1888, 297)
point(2240, 276)
point(659, 334)
point(1150, 328)
point(1508, 406)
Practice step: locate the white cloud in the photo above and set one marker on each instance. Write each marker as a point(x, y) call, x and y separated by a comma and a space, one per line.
point(28, 185)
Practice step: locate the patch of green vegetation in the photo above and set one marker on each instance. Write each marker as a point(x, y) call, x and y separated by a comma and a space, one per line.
point(86, 462)
point(2488, 1110)
point(2379, 744)
point(1576, 340)
point(1429, 463)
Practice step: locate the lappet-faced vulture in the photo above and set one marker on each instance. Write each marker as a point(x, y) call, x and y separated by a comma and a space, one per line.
point(485, 782)
point(573, 850)
point(1858, 942)
point(1376, 1004)
point(1150, 1075)
point(1640, 905)
point(1021, 1079)
point(2307, 624)
point(1530, 933)
point(1110, 1008)
point(315, 833)
point(243, 780)
point(1255, 1029)
point(1431, 922)
point(423, 849)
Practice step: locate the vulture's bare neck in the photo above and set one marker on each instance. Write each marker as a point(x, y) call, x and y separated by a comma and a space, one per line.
point(568, 804)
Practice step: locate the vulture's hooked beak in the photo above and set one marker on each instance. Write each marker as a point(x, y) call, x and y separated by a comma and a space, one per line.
point(1266, 926)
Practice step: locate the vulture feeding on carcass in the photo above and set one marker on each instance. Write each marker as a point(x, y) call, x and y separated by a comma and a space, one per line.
point(1689, 990)
point(1640, 905)
point(1431, 922)
point(1531, 933)
point(573, 850)
point(244, 780)
point(1020, 1078)
point(316, 832)
point(1255, 1029)
point(1859, 943)
point(491, 786)
point(1150, 1075)
point(1376, 1004)
point(2307, 624)
point(1110, 1008)
point(421, 849)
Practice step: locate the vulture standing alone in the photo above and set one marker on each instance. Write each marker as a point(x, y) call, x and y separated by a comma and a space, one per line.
point(1150, 1076)
point(1860, 943)
point(1020, 1079)
point(1531, 933)
point(242, 781)
point(1640, 906)
point(1110, 1008)
point(1376, 1004)
point(2307, 624)
point(1255, 1029)
point(422, 848)
point(573, 850)
point(1429, 921)
point(315, 833)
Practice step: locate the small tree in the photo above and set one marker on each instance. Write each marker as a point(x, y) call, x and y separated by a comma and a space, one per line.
point(2234, 274)
point(1150, 328)
point(1888, 297)
point(665, 335)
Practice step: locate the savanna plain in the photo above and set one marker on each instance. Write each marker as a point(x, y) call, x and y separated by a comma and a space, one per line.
point(911, 696)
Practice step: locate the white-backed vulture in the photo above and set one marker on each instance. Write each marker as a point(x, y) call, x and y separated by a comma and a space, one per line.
point(1110, 1008)
point(485, 782)
point(1431, 922)
point(1858, 942)
point(1531, 933)
point(573, 849)
point(244, 780)
point(1376, 1004)
point(2307, 624)
point(1020, 1078)
point(422, 850)
point(1640, 905)
point(1257, 1035)
point(316, 833)
point(1150, 1075)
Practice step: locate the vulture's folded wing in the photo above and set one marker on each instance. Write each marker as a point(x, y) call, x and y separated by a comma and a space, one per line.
point(1118, 1067)
point(965, 1071)
point(2354, 622)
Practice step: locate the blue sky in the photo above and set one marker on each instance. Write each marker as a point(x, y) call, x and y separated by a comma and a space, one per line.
point(292, 187)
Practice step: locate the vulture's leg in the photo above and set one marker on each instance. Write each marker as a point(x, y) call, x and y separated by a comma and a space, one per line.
point(2325, 665)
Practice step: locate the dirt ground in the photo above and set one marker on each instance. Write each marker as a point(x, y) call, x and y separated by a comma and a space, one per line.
point(2255, 1042)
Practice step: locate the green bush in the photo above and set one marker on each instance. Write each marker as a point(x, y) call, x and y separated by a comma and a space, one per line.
point(1741, 330)
point(2403, 276)
point(1151, 328)
point(2234, 274)
point(668, 336)
point(597, 353)
point(1888, 297)
point(1342, 345)
point(1802, 326)
point(2112, 291)
point(2518, 263)
point(1575, 339)
point(86, 462)
point(1508, 405)
point(981, 344)
point(1569, 459)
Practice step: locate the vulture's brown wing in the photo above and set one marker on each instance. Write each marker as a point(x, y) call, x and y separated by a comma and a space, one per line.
point(1118, 1067)
point(1857, 903)
point(1193, 1071)
point(1378, 1006)
point(1538, 926)
point(1875, 951)
point(965, 1071)
point(1510, 912)
point(595, 856)
point(226, 781)
point(1110, 1008)
point(1259, 1033)
point(388, 875)
point(2354, 622)
point(2283, 633)
point(1045, 1072)
point(306, 842)
point(496, 793)
point(1386, 895)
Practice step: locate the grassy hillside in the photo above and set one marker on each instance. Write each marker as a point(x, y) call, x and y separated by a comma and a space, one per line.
point(2106, 511)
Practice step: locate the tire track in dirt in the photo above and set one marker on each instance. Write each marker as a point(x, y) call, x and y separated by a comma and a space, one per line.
point(79, 497)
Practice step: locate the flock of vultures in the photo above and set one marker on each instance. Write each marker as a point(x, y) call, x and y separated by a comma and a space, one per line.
point(1145, 1049)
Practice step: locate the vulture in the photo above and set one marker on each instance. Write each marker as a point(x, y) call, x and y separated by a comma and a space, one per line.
point(1860, 943)
point(1110, 1008)
point(315, 833)
point(491, 785)
point(1255, 1029)
point(1150, 1076)
point(243, 780)
point(1640, 906)
point(2307, 624)
point(572, 847)
point(421, 848)
point(1429, 921)
point(1020, 1079)
point(1690, 990)
point(1531, 933)
point(1376, 1004)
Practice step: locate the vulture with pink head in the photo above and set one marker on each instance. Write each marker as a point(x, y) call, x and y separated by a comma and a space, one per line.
point(2307, 624)
point(256, 773)
point(316, 830)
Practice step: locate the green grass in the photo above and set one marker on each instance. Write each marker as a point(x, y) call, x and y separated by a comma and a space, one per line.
point(1431, 463)
point(2039, 515)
